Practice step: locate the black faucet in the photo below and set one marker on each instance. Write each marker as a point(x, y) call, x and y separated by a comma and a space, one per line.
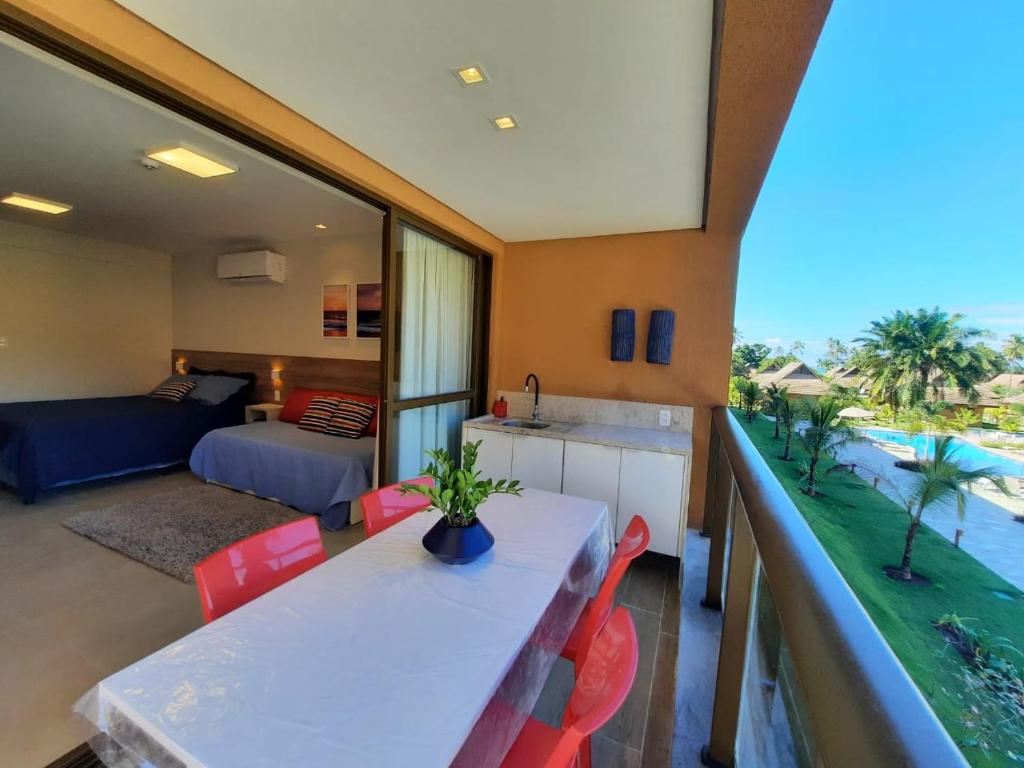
point(536, 394)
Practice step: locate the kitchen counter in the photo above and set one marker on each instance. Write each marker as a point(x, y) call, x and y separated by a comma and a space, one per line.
point(658, 440)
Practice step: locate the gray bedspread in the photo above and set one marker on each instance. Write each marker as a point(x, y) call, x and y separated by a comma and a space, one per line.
point(315, 473)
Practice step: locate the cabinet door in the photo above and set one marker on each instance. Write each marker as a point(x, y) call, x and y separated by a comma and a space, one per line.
point(592, 472)
point(537, 462)
point(495, 457)
point(651, 485)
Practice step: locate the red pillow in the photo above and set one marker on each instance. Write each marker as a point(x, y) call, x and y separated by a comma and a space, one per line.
point(300, 397)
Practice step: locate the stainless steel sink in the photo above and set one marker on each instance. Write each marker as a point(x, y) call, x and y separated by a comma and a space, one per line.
point(525, 424)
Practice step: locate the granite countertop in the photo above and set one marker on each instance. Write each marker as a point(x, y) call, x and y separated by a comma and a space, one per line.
point(661, 441)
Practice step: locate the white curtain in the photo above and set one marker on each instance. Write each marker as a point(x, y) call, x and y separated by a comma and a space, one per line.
point(437, 317)
point(436, 345)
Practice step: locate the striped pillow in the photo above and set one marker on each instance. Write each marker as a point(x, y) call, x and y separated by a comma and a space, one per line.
point(350, 419)
point(318, 414)
point(175, 391)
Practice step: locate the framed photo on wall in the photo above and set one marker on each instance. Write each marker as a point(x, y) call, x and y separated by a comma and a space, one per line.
point(369, 309)
point(335, 312)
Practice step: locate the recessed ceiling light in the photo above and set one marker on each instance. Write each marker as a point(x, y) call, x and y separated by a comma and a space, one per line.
point(474, 75)
point(505, 122)
point(320, 226)
point(35, 203)
point(186, 159)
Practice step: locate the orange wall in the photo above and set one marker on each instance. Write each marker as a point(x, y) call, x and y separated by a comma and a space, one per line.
point(555, 320)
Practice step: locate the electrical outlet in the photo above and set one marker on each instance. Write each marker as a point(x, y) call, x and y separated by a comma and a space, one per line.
point(277, 395)
point(3, 342)
point(664, 418)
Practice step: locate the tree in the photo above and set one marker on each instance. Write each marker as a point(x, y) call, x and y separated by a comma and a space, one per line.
point(796, 349)
point(1013, 351)
point(748, 356)
point(910, 354)
point(836, 354)
point(789, 412)
point(774, 395)
point(940, 480)
point(824, 435)
point(777, 361)
point(750, 395)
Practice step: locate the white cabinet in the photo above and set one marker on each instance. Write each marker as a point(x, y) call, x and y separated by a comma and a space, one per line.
point(630, 481)
point(591, 471)
point(494, 459)
point(537, 462)
point(651, 484)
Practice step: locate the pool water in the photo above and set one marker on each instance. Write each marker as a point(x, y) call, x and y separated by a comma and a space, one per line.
point(969, 454)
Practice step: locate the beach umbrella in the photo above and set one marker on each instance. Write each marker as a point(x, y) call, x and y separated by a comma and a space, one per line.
point(854, 412)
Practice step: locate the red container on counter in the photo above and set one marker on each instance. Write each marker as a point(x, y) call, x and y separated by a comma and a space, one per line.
point(500, 408)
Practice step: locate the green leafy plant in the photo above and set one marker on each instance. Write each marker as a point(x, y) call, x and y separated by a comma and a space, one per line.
point(774, 396)
point(789, 413)
point(825, 434)
point(458, 492)
point(750, 395)
point(940, 480)
point(993, 688)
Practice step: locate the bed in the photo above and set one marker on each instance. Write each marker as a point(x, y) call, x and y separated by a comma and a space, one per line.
point(48, 444)
point(313, 472)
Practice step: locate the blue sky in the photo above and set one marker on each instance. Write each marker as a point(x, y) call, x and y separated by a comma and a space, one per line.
point(899, 180)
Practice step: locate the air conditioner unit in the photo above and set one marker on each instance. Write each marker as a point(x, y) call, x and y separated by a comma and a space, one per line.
point(251, 267)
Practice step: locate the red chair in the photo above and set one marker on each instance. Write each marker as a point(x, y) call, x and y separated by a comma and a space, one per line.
point(634, 543)
point(387, 506)
point(601, 688)
point(248, 568)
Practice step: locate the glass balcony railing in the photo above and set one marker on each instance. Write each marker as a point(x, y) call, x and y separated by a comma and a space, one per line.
point(804, 676)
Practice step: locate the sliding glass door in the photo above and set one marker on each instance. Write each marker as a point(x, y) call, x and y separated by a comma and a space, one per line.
point(434, 358)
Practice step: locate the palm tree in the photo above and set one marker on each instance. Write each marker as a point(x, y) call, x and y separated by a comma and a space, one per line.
point(1013, 351)
point(910, 354)
point(789, 412)
point(825, 434)
point(750, 394)
point(940, 480)
point(774, 395)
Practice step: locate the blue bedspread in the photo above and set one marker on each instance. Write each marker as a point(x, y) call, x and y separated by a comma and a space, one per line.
point(46, 444)
point(315, 473)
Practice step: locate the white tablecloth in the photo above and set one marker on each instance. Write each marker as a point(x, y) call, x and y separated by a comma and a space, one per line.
point(382, 656)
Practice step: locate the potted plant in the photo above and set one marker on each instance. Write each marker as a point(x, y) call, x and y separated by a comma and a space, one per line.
point(459, 536)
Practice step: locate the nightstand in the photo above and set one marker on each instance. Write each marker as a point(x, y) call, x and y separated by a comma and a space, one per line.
point(262, 412)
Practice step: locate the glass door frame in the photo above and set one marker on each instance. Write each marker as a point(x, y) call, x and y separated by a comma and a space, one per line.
point(391, 403)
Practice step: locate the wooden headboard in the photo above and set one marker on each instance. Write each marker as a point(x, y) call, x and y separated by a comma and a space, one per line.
point(361, 377)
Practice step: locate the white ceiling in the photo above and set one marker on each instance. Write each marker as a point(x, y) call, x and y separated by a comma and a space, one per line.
point(69, 137)
point(611, 96)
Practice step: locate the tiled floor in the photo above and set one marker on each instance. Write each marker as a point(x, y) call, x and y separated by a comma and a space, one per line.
point(640, 735)
point(72, 612)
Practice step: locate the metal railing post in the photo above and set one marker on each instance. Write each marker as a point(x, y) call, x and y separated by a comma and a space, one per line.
point(714, 446)
point(722, 493)
point(721, 746)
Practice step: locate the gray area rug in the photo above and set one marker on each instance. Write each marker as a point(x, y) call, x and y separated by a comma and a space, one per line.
point(173, 531)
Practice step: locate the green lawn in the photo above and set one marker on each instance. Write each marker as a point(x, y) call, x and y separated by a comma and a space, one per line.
point(864, 531)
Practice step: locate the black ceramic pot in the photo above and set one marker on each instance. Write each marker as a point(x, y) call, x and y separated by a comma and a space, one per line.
point(457, 545)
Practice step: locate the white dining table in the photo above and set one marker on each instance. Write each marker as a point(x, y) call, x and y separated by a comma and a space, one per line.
point(382, 656)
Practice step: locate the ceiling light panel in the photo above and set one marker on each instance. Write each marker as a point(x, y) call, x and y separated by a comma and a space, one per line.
point(505, 122)
point(35, 203)
point(189, 160)
point(472, 75)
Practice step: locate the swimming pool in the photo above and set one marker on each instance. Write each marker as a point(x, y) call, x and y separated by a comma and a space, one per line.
point(971, 455)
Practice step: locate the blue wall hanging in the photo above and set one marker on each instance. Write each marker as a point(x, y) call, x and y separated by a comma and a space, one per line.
point(623, 334)
point(659, 336)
